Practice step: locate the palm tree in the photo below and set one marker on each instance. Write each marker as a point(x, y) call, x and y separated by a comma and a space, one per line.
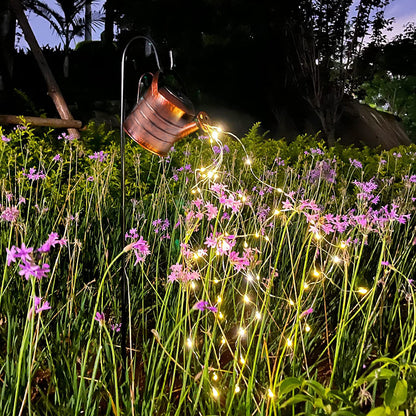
point(67, 22)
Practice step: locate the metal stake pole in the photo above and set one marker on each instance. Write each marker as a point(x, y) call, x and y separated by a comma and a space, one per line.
point(124, 314)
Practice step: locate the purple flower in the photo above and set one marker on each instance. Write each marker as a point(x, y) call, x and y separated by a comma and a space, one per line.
point(203, 305)
point(44, 307)
point(306, 313)
point(10, 214)
point(182, 275)
point(28, 269)
point(11, 255)
point(66, 137)
point(116, 327)
point(240, 263)
point(24, 253)
point(33, 175)
point(385, 263)
point(100, 317)
point(141, 250)
point(57, 158)
point(100, 156)
point(90, 178)
point(132, 234)
point(52, 241)
point(356, 163)
point(212, 211)
point(5, 139)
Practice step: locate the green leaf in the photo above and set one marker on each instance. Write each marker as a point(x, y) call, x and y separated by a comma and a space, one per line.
point(396, 394)
point(378, 411)
point(297, 398)
point(317, 387)
point(289, 384)
point(380, 374)
point(343, 413)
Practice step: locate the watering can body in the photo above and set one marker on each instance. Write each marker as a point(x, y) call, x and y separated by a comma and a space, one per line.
point(160, 118)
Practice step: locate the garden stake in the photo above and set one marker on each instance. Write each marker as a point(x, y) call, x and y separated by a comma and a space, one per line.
point(159, 119)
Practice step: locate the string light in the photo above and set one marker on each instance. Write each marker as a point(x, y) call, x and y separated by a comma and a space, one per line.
point(219, 299)
point(307, 328)
point(291, 303)
point(246, 299)
point(336, 259)
point(189, 343)
point(270, 393)
point(215, 392)
point(245, 244)
point(280, 190)
point(258, 315)
point(316, 273)
point(241, 331)
point(249, 276)
point(343, 244)
point(248, 161)
point(216, 281)
point(237, 388)
point(362, 290)
point(305, 285)
point(215, 377)
point(220, 315)
point(193, 285)
point(223, 341)
point(242, 360)
point(289, 342)
point(276, 212)
point(318, 236)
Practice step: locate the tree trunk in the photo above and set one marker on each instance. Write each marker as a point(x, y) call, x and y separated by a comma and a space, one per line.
point(53, 89)
point(108, 35)
point(7, 39)
point(88, 21)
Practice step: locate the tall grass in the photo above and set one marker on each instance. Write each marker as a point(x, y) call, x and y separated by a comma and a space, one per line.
point(277, 282)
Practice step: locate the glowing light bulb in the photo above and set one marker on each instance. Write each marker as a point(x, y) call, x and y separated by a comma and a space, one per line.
point(241, 331)
point(343, 244)
point(267, 238)
point(276, 212)
point(305, 285)
point(257, 235)
point(215, 135)
point(193, 191)
point(291, 303)
point(336, 259)
point(223, 341)
point(249, 276)
point(193, 285)
point(318, 236)
point(215, 377)
point(246, 299)
point(219, 299)
point(307, 328)
point(362, 290)
point(258, 277)
point(216, 176)
point(237, 388)
point(244, 198)
point(316, 273)
point(215, 392)
point(210, 174)
point(280, 190)
point(220, 315)
point(202, 169)
point(270, 393)
point(289, 342)
point(189, 343)
point(216, 281)
point(242, 360)
point(245, 244)
point(248, 161)
point(258, 315)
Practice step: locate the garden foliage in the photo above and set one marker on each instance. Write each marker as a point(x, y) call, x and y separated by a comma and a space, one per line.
point(280, 281)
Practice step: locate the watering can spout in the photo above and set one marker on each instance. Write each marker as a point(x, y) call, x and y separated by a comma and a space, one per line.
point(161, 118)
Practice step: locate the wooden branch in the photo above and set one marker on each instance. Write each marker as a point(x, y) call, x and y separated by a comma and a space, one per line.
point(53, 89)
point(41, 121)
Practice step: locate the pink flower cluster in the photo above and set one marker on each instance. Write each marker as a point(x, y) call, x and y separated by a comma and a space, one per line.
point(181, 274)
point(100, 156)
point(33, 175)
point(52, 241)
point(10, 214)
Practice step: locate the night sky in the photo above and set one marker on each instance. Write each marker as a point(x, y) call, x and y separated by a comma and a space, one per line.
point(403, 10)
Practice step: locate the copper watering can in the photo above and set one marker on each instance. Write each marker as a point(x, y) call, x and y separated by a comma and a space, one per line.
point(162, 117)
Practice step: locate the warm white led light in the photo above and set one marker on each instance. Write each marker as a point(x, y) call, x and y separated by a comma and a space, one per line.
point(258, 315)
point(215, 392)
point(362, 290)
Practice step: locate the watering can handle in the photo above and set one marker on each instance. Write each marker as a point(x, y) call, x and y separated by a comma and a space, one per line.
point(140, 83)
